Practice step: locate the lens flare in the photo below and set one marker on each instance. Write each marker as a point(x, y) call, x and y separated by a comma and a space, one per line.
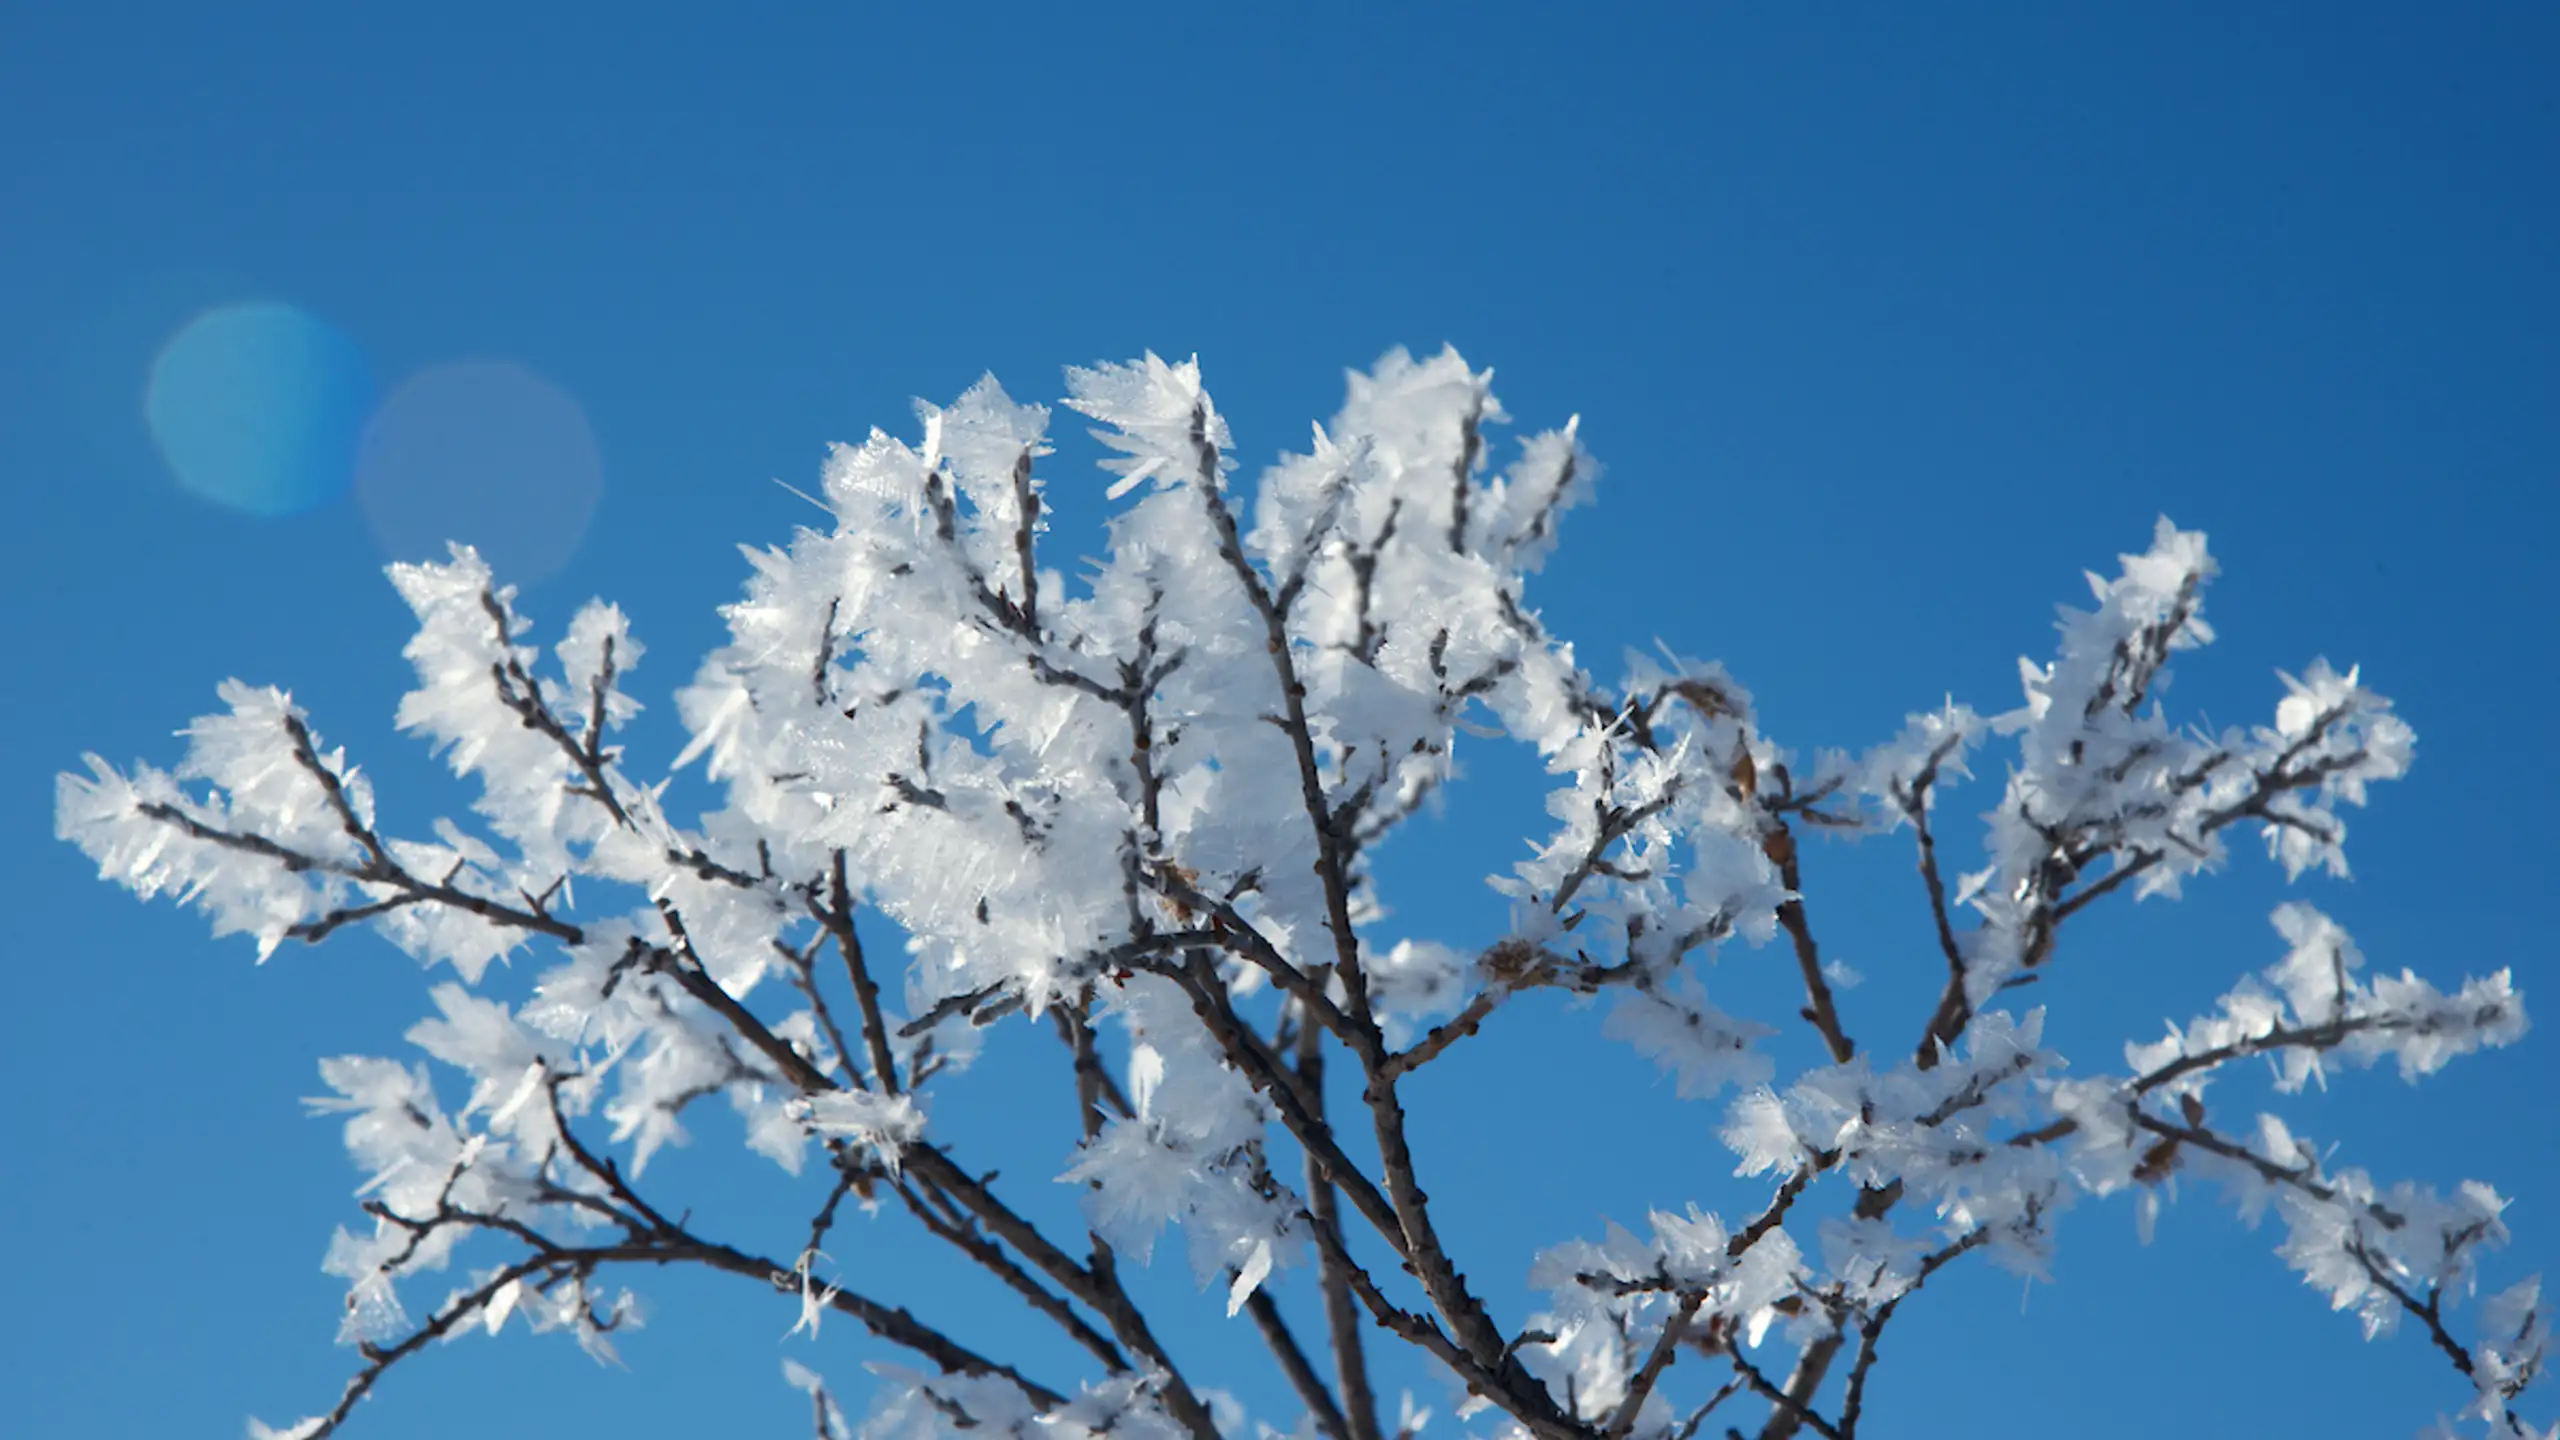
point(487, 453)
point(257, 407)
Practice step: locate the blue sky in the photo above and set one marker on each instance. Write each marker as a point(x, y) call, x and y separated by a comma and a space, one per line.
point(1888, 320)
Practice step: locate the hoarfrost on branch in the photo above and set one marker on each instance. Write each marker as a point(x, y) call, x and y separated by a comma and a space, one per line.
point(1136, 818)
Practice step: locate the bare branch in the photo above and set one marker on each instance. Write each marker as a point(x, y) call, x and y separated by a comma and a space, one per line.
point(1872, 1329)
point(1342, 1317)
point(1293, 1364)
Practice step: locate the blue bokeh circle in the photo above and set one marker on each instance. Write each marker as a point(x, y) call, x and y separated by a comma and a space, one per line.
point(258, 407)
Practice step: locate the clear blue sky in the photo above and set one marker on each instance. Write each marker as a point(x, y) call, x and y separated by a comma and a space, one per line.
point(1887, 319)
